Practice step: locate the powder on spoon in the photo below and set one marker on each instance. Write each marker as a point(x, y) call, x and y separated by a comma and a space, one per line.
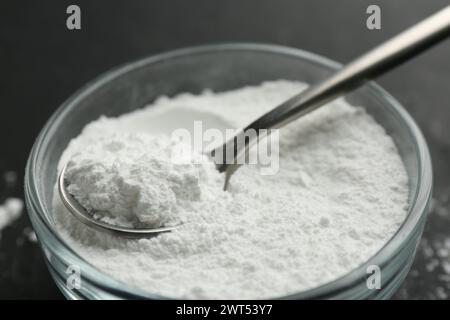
point(340, 194)
point(131, 179)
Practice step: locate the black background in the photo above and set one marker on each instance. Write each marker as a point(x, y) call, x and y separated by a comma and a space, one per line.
point(42, 63)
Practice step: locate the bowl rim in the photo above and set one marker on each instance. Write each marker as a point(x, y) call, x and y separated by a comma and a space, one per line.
point(37, 210)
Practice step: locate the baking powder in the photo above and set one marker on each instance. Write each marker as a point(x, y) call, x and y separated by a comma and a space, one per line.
point(339, 195)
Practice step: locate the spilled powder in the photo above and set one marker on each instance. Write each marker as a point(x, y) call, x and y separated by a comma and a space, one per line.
point(340, 194)
point(10, 211)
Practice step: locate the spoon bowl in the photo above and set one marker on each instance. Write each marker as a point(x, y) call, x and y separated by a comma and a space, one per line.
point(79, 212)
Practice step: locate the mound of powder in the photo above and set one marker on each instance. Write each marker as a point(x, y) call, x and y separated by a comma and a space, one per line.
point(135, 180)
point(340, 194)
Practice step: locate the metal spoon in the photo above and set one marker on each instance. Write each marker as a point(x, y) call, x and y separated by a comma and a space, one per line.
point(379, 60)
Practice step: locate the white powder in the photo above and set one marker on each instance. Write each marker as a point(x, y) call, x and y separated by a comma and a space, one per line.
point(340, 194)
point(130, 180)
point(10, 211)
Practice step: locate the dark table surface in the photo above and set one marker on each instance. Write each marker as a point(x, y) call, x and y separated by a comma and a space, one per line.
point(42, 63)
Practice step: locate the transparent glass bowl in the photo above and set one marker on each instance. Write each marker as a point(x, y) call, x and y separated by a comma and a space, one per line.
point(218, 67)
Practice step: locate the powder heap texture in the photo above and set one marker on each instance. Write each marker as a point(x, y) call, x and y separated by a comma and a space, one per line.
point(340, 194)
point(134, 180)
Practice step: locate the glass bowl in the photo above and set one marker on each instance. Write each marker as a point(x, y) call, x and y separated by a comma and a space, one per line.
point(219, 67)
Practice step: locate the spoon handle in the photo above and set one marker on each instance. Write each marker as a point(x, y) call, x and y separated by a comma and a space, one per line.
point(377, 61)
